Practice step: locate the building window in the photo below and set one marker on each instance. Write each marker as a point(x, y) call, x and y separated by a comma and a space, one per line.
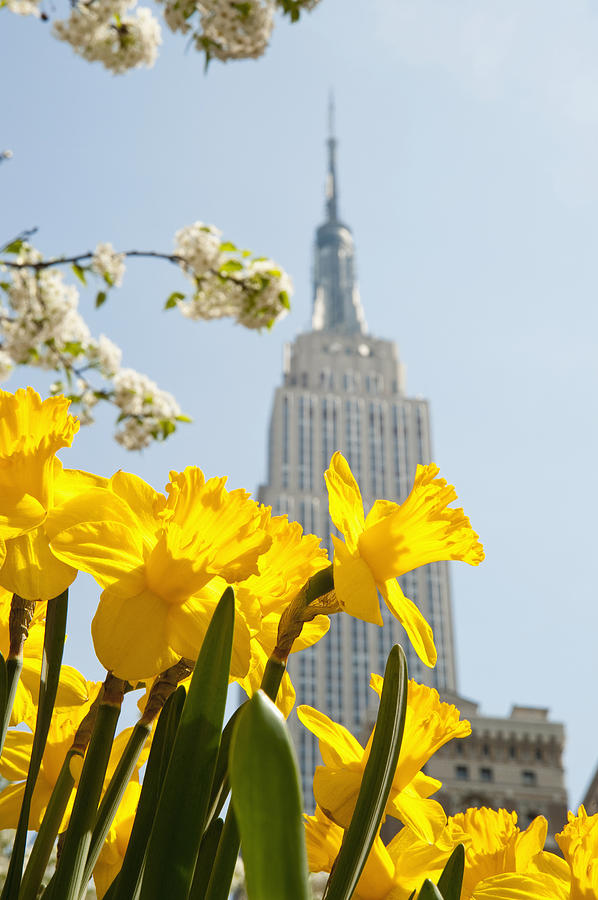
point(486, 775)
point(513, 751)
point(528, 778)
point(462, 773)
point(485, 750)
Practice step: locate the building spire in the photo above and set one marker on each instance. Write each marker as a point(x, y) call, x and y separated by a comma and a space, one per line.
point(337, 306)
point(331, 185)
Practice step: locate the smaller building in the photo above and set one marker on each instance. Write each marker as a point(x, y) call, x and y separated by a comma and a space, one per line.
point(512, 763)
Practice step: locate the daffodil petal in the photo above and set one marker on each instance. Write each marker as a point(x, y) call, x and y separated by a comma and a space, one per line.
point(110, 551)
point(418, 630)
point(513, 886)
point(130, 635)
point(19, 512)
point(336, 790)
point(425, 817)
point(344, 500)
point(338, 743)
point(187, 626)
point(11, 800)
point(144, 502)
point(32, 571)
point(16, 755)
point(354, 585)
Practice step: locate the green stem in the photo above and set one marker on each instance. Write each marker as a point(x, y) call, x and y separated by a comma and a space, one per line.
point(226, 858)
point(272, 677)
point(71, 865)
point(50, 675)
point(44, 842)
point(14, 667)
point(113, 796)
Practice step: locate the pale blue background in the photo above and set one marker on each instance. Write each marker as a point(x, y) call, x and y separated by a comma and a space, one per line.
point(468, 170)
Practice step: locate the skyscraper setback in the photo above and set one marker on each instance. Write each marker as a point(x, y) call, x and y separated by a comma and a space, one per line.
point(344, 389)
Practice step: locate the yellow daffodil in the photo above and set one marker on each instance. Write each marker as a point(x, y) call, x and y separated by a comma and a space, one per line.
point(498, 857)
point(282, 571)
point(114, 848)
point(428, 725)
point(392, 540)
point(579, 844)
point(323, 840)
point(155, 557)
point(32, 483)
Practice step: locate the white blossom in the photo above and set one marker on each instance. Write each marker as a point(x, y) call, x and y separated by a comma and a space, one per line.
point(233, 30)
point(104, 31)
point(216, 299)
point(47, 322)
point(24, 7)
point(106, 354)
point(145, 408)
point(108, 264)
point(270, 301)
point(7, 364)
point(199, 246)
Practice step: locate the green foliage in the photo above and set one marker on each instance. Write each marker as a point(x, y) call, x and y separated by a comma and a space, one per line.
point(267, 801)
point(101, 297)
point(173, 299)
point(79, 272)
point(451, 880)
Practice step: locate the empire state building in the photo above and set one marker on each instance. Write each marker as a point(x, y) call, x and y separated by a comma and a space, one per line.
point(343, 389)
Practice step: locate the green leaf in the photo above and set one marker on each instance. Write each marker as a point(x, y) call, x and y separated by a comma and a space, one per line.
point(15, 246)
point(167, 427)
point(227, 247)
point(79, 272)
point(267, 801)
point(108, 279)
point(100, 298)
point(5, 285)
point(451, 880)
point(231, 265)
point(429, 891)
point(173, 299)
point(205, 859)
point(130, 874)
point(180, 817)
point(75, 348)
point(376, 782)
point(284, 299)
point(182, 418)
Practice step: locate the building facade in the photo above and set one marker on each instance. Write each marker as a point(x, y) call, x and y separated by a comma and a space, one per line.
point(344, 389)
point(513, 763)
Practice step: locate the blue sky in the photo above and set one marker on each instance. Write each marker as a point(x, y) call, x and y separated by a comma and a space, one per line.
point(468, 137)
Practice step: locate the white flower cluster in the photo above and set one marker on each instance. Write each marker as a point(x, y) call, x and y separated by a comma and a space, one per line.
point(255, 292)
point(108, 265)
point(24, 7)
point(225, 29)
point(147, 409)
point(106, 31)
point(198, 245)
point(41, 326)
point(232, 30)
point(43, 323)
